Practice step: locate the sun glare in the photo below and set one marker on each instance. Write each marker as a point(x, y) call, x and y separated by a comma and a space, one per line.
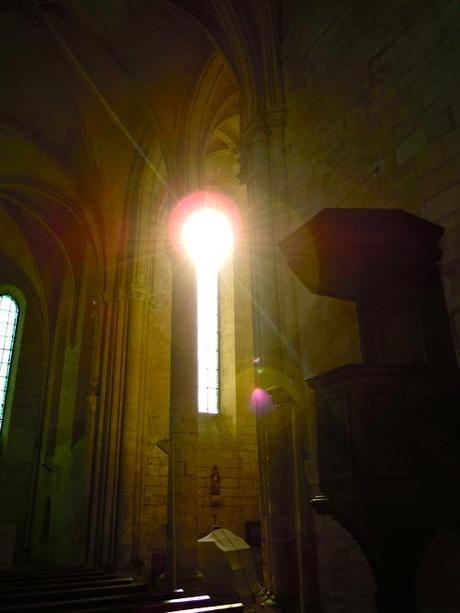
point(208, 237)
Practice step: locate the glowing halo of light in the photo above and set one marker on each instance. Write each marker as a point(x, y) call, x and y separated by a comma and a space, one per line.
point(208, 237)
point(203, 226)
point(261, 402)
point(205, 199)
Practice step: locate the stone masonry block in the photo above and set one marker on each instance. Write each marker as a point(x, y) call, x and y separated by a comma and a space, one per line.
point(442, 177)
point(231, 472)
point(440, 52)
point(456, 112)
point(437, 90)
point(229, 483)
point(451, 143)
point(429, 158)
point(424, 77)
point(411, 147)
point(151, 461)
point(439, 124)
point(441, 205)
point(246, 483)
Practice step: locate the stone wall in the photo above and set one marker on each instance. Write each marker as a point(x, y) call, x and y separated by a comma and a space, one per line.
point(226, 440)
point(20, 435)
point(64, 463)
point(373, 120)
point(235, 455)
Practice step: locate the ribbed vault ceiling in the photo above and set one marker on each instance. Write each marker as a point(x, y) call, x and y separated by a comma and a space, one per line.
point(89, 86)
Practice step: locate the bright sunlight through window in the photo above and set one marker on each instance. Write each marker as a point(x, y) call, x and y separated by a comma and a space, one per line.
point(208, 237)
point(9, 312)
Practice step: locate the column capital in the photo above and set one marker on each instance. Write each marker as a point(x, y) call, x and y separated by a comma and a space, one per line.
point(260, 126)
point(256, 133)
point(135, 293)
point(280, 395)
point(141, 294)
point(110, 295)
point(275, 118)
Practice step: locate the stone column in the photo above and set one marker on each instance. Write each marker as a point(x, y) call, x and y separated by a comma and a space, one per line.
point(280, 482)
point(108, 390)
point(115, 438)
point(287, 538)
point(130, 472)
point(118, 384)
point(92, 403)
point(268, 355)
point(183, 456)
point(266, 314)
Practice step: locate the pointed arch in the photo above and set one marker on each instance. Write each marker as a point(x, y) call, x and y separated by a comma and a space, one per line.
point(12, 310)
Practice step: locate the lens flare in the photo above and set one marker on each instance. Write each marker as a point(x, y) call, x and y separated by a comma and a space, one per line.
point(261, 401)
point(208, 237)
point(205, 225)
point(212, 206)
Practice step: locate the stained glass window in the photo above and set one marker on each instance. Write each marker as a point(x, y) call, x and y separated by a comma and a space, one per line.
point(9, 312)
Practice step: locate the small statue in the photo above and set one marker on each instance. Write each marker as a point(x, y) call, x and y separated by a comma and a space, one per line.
point(214, 488)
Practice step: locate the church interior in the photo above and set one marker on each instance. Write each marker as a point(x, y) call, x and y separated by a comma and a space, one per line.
point(299, 392)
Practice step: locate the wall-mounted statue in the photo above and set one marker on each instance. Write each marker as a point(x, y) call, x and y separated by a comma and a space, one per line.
point(214, 486)
point(215, 498)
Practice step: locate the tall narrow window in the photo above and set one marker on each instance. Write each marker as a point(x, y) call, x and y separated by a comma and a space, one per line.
point(208, 340)
point(9, 312)
point(208, 237)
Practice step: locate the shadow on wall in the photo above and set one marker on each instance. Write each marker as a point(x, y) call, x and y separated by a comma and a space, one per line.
point(438, 580)
point(346, 582)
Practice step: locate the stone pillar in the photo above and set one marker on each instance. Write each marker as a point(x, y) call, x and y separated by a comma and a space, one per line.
point(266, 314)
point(255, 169)
point(287, 532)
point(118, 385)
point(279, 485)
point(280, 571)
point(108, 388)
point(117, 402)
point(183, 456)
point(130, 471)
point(284, 224)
